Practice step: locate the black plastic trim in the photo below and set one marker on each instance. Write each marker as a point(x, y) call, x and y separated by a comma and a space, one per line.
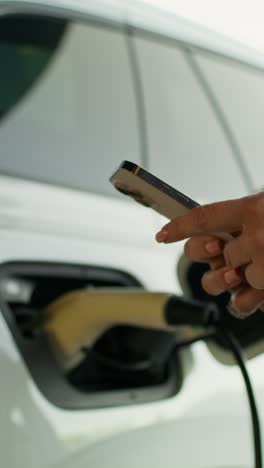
point(42, 365)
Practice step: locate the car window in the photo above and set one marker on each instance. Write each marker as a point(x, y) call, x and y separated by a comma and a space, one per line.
point(69, 117)
point(26, 46)
point(187, 146)
point(240, 92)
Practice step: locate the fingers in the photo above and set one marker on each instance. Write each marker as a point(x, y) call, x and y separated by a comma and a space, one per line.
point(217, 217)
point(246, 301)
point(217, 262)
point(236, 252)
point(221, 280)
point(254, 274)
point(209, 249)
point(203, 248)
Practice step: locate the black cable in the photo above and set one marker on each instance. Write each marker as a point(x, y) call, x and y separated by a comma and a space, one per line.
point(181, 311)
point(234, 346)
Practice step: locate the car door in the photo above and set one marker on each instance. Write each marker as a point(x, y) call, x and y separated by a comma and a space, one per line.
point(68, 117)
point(65, 133)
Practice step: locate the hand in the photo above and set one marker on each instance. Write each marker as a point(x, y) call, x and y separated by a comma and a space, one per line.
point(242, 260)
point(222, 278)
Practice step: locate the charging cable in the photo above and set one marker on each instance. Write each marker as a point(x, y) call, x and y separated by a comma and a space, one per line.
point(209, 315)
point(70, 327)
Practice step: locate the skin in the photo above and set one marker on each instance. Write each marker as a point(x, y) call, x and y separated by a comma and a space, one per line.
point(236, 265)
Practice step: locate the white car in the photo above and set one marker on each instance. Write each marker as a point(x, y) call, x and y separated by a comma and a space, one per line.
point(83, 86)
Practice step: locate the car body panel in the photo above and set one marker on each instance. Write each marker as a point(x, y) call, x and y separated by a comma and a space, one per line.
point(207, 423)
point(147, 17)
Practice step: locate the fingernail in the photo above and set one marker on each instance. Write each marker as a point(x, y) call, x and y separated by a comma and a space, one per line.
point(213, 247)
point(237, 313)
point(162, 235)
point(234, 311)
point(231, 277)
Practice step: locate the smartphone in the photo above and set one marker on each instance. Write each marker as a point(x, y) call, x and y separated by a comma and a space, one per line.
point(134, 181)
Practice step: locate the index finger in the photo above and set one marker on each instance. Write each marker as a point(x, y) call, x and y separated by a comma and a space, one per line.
point(223, 216)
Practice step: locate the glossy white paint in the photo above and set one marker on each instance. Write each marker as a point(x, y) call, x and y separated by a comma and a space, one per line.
point(207, 424)
point(149, 17)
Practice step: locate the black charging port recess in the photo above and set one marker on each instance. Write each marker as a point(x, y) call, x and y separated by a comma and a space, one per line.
point(127, 365)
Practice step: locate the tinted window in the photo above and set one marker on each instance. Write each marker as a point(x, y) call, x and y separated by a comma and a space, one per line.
point(26, 46)
point(72, 116)
point(187, 145)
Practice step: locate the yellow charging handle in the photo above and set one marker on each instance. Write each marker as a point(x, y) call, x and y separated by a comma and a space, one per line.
point(78, 318)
